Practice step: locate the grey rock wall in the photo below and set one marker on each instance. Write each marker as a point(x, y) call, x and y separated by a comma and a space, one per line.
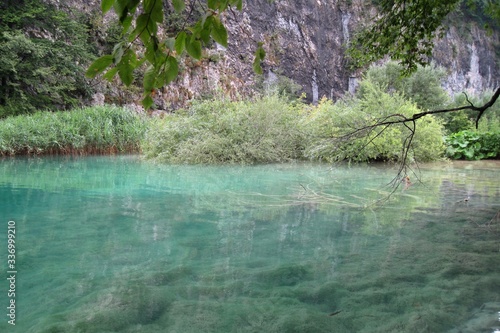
point(471, 58)
point(305, 41)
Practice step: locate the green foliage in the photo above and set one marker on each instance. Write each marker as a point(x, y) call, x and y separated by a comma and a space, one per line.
point(485, 12)
point(333, 125)
point(83, 131)
point(457, 121)
point(260, 54)
point(264, 130)
point(404, 32)
point(140, 20)
point(423, 86)
point(41, 58)
point(404, 29)
point(471, 145)
point(273, 129)
point(466, 120)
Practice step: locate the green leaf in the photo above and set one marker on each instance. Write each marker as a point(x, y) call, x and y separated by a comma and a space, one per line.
point(219, 32)
point(193, 48)
point(223, 5)
point(147, 102)
point(180, 42)
point(118, 52)
point(170, 43)
point(239, 5)
point(109, 75)
point(149, 79)
point(260, 54)
point(157, 11)
point(150, 53)
point(179, 5)
point(126, 67)
point(99, 65)
point(121, 9)
point(172, 70)
point(213, 4)
point(132, 5)
point(106, 5)
point(144, 28)
point(154, 9)
point(205, 34)
point(126, 24)
point(257, 68)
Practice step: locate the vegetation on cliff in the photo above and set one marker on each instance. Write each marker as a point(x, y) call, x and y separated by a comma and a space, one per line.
point(42, 59)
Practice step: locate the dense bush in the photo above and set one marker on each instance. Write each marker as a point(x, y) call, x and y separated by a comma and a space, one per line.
point(84, 131)
point(271, 129)
point(422, 87)
point(330, 122)
point(221, 131)
point(466, 120)
point(471, 145)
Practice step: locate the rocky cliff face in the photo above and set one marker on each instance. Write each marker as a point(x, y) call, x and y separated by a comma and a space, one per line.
point(305, 42)
point(471, 57)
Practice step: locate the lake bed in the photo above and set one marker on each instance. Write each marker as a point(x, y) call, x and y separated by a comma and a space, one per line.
point(117, 244)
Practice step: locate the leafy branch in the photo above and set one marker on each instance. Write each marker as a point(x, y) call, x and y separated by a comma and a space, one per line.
point(162, 54)
point(404, 31)
point(380, 125)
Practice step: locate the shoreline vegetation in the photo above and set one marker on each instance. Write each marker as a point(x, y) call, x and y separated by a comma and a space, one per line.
point(92, 130)
point(266, 129)
point(273, 127)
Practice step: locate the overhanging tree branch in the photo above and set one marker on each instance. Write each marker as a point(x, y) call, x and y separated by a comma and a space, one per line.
point(401, 119)
point(382, 124)
point(479, 109)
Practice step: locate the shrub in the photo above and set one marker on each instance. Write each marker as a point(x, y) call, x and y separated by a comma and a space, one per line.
point(471, 145)
point(263, 130)
point(272, 129)
point(466, 120)
point(422, 87)
point(332, 122)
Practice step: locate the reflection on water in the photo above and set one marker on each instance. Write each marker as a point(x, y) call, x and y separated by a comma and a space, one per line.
point(113, 244)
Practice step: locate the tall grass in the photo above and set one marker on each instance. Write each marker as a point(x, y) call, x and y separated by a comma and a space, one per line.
point(94, 130)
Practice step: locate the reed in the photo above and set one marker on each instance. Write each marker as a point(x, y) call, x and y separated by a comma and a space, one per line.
point(93, 130)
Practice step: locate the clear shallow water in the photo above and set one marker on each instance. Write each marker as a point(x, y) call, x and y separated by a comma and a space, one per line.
point(113, 244)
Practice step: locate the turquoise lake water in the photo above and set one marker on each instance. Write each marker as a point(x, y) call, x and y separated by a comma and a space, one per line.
point(116, 244)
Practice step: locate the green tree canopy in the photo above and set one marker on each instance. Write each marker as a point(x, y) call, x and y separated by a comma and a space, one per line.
point(423, 87)
point(405, 29)
point(41, 59)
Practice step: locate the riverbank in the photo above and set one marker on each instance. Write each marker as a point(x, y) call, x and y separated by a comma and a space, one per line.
point(93, 130)
point(266, 129)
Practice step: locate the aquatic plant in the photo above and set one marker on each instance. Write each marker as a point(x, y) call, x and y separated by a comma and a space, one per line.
point(472, 145)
